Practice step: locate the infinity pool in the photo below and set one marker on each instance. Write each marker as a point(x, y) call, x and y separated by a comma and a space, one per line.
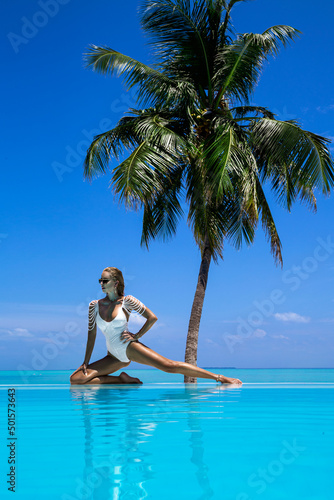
point(165, 440)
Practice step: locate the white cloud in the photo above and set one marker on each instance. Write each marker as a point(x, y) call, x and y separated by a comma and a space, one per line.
point(280, 337)
point(158, 325)
point(136, 320)
point(325, 109)
point(24, 335)
point(293, 317)
point(259, 333)
point(23, 332)
point(212, 342)
point(20, 332)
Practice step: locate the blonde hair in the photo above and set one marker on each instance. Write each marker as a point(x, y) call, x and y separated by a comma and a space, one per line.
point(116, 275)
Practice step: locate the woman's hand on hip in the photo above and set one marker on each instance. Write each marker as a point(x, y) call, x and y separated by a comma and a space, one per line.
point(126, 336)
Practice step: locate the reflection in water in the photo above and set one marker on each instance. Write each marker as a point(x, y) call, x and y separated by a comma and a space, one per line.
point(120, 449)
point(197, 446)
point(191, 398)
point(115, 466)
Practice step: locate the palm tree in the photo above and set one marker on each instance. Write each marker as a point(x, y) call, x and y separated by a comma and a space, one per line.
point(196, 138)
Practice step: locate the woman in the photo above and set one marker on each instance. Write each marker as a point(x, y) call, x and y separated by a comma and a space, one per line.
point(111, 315)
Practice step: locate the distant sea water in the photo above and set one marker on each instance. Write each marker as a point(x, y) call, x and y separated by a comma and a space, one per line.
point(152, 376)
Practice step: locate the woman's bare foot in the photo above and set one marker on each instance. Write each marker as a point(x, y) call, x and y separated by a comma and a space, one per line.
point(228, 380)
point(126, 379)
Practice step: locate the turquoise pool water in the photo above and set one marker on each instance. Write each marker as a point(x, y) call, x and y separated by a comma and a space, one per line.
point(167, 440)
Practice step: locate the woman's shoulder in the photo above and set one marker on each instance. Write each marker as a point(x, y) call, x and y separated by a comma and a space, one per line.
point(131, 303)
point(93, 303)
point(129, 299)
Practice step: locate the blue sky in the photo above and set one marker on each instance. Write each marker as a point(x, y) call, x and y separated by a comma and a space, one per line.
point(58, 232)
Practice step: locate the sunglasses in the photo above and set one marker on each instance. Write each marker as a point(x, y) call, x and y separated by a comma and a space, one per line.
point(104, 281)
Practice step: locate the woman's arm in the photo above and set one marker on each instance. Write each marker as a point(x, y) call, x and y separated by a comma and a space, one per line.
point(133, 304)
point(90, 345)
point(91, 333)
point(150, 320)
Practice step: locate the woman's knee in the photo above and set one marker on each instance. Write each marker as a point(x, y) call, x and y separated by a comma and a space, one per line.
point(75, 379)
point(78, 378)
point(170, 366)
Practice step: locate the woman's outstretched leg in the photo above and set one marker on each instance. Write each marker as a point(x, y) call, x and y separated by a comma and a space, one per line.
point(138, 352)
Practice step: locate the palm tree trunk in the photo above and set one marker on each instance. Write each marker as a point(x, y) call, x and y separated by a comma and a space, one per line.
point(196, 312)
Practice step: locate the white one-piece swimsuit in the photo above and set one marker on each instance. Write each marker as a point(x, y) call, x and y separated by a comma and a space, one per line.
point(113, 329)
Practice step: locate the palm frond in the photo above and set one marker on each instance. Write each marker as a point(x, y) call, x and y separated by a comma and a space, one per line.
point(238, 65)
point(139, 176)
point(181, 34)
point(268, 224)
point(110, 62)
point(242, 223)
point(225, 26)
point(153, 86)
point(163, 211)
point(208, 226)
point(158, 131)
point(213, 221)
point(275, 36)
point(97, 157)
point(224, 156)
point(147, 126)
point(243, 111)
point(110, 144)
point(291, 158)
